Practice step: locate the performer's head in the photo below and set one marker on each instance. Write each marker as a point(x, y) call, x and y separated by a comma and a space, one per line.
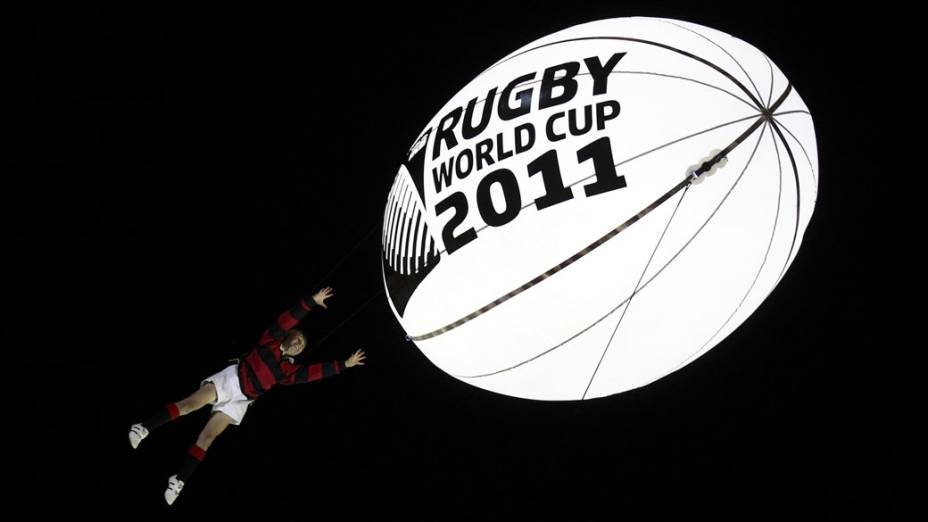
point(294, 343)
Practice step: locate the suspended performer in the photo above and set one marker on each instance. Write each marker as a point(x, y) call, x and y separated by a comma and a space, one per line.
point(233, 389)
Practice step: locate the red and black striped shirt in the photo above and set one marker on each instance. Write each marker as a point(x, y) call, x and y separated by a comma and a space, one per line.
point(266, 364)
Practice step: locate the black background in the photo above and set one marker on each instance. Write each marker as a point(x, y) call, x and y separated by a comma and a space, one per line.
point(191, 174)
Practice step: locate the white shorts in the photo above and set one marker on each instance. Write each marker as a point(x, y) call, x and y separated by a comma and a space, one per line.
point(229, 397)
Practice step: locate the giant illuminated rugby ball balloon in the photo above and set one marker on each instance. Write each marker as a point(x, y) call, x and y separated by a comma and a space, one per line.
point(599, 208)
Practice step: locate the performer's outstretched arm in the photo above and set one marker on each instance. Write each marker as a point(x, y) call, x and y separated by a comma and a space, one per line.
point(298, 373)
point(292, 317)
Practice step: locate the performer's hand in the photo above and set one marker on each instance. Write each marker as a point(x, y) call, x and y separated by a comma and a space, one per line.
point(356, 359)
point(322, 295)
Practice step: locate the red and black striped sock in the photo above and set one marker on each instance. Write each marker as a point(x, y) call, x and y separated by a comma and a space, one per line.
point(193, 458)
point(166, 414)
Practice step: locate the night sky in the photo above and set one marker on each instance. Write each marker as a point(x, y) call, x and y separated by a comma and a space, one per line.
point(203, 170)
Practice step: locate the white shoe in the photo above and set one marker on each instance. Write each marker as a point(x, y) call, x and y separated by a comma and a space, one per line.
point(136, 433)
point(174, 486)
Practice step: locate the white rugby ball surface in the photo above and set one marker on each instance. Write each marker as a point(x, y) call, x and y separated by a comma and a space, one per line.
point(599, 208)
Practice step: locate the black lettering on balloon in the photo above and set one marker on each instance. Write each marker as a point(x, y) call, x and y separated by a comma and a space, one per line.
point(555, 191)
point(458, 202)
point(525, 99)
point(600, 151)
point(601, 74)
point(469, 130)
point(445, 132)
point(507, 181)
point(566, 81)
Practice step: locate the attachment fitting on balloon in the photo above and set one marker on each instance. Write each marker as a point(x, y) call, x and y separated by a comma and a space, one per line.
point(695, 173)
